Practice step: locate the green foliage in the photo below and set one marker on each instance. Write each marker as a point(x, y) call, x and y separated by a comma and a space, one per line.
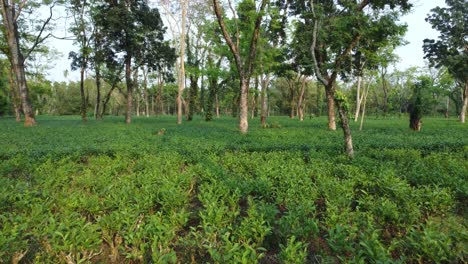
point(119, 193)
point(450, 48)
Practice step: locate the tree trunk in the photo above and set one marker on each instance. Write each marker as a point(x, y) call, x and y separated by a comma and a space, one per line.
point(330, 92)
point(465, 103)
point(385, 92)
point(193, 96)
point(292, 101)
point(366, 92)
point(182, 63)
point(244, 111)
point(17, 60)
point(136, 89)
point(300, 103)
point(217, 105)
point(97, 116)
point(448, 108)
point(159, 96)
point(145, 91)
point(84, 118)
point(415, 124)
point(14, 95)
point(128, 80)
point(346, 130)
point(358, 98)
point(263, 99)
point(202, 95)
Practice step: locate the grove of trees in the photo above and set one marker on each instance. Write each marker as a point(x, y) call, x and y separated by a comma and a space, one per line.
point(243, 58)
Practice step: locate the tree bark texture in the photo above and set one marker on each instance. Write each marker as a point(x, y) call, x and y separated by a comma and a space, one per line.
point(17, 59)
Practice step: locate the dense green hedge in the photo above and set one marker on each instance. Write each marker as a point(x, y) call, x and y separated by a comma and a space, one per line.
point(202, 193)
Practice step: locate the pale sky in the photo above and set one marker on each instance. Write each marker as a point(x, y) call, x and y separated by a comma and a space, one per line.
point(410, 55)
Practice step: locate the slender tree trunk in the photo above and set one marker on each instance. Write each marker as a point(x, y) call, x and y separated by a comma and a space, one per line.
point(448, 108)
point(330, 92)
point(263, 99)
point(244, 107)
point(292, 99)
point(464, 104)
point(366, 92)
point(145, 91)
point(136, 89)
point(217, 105)
point(17, 60)
point(202, 95)
point(358, 98)
point(346, 130)
point(128, 80)
point(159, 96)
point(84, 118)
point(300, 103)
point(385, 92)
point(153, 109)
point(182, 63)
point(97, 109)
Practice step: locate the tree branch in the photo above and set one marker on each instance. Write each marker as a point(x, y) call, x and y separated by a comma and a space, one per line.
point(38, 39)
point(20, 8)
point(235, 22)
point(317, 71)
point(232, 46)
point(253, 42)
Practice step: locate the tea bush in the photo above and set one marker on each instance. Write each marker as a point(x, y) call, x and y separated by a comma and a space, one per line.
point(105, 192)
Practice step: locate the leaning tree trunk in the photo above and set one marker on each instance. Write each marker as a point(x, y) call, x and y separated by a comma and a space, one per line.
point(128, 80)
point(243, 104)
point(464, 104)
point(17, 60)
point(358, 99)
point(365, 93)
point(330, 92)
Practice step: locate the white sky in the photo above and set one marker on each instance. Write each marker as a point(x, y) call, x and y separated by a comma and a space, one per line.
point(410, 55)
